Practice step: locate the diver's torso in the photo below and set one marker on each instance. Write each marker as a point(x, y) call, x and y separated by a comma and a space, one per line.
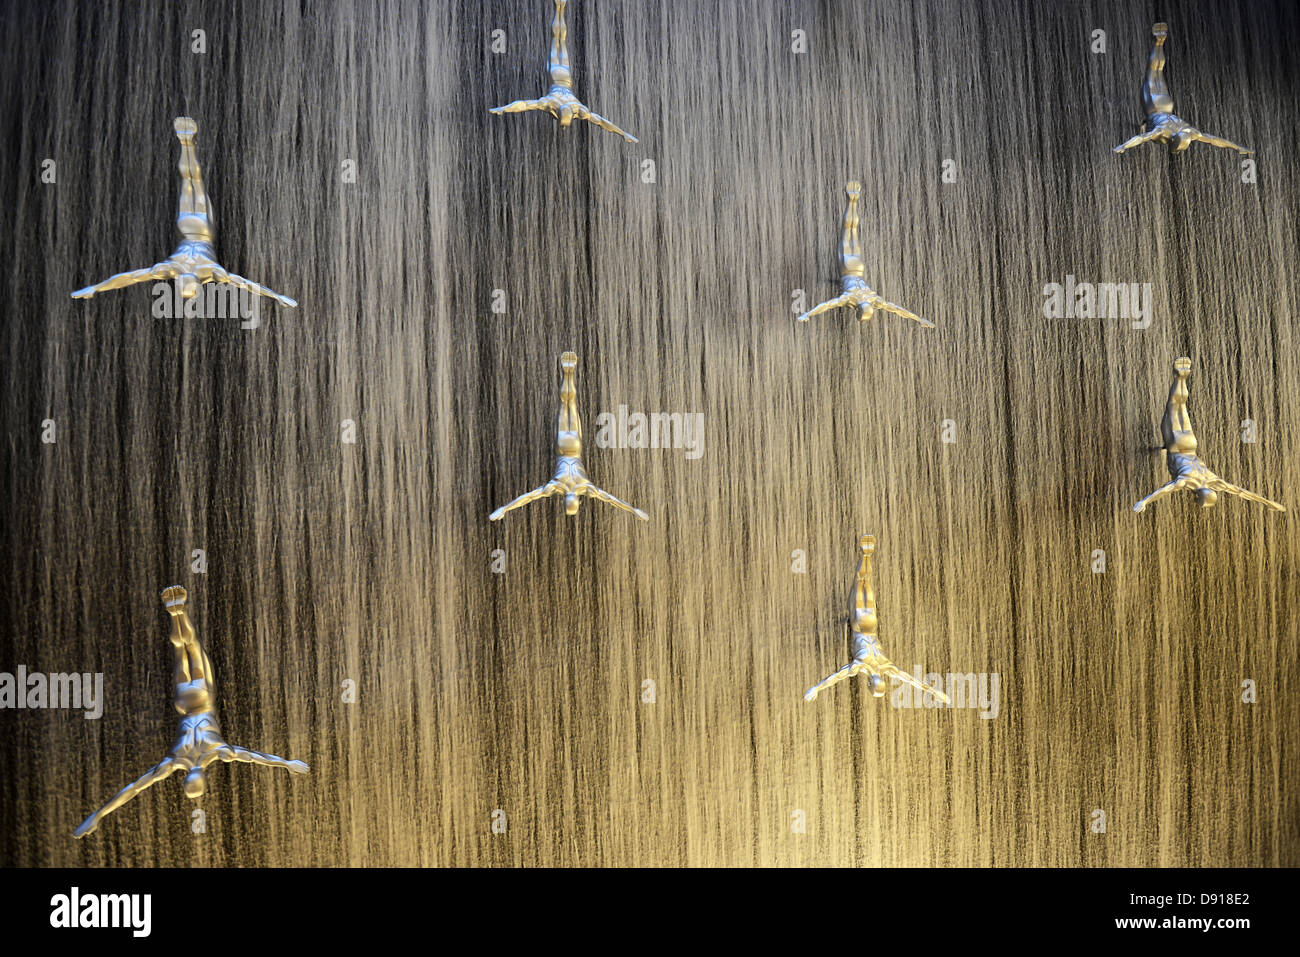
point(569, 473)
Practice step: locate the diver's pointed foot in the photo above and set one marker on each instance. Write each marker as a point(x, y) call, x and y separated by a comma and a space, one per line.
point(185, 127)
point(854, 189)
point(1160, 31)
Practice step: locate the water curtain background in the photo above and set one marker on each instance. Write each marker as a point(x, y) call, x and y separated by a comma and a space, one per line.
point(523, 691)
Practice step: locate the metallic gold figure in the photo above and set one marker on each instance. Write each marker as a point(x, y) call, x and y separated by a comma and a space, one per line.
point(559, 100)
point(854, 290)
point(1187, 469)
point(195, 260)
point(1162, 126)
point(570, 478)
point(200, 742)
point(867, 656)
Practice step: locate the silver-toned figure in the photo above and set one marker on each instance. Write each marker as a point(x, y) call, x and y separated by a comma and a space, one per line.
point(570, 479)
point(559, 100)
point(1185, 467)
point(200, 742)
point(854, 291)
point(867, 655)
point(1162, 125)
point(195, 260)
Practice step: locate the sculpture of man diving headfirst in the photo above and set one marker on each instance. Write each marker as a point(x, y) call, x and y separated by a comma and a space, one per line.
point(1185, 467)
point(570, 479)
point(854, 291)
point(195, 260)
point(559, 100)
point(868, 658)
point(1162, 125)
point(200, 742)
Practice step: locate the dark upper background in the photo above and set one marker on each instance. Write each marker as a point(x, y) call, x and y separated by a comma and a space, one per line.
point(522, 691)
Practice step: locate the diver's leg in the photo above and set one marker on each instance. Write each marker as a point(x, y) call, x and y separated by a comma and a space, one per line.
point(194, 198)
point(864, 599)
point(190, 660)
point(850, 245)
point(1155, 92)
point(561, 75)
point(569, 421)
point(1177, 422)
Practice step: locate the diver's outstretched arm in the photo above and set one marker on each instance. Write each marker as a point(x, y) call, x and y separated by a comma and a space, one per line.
point(162, 769)
point(848, 671)
point(900, 311)
point(1138, 140)
point(159, 271)
point(892, 670)
point(1222, 143)
point(1161, 492)
point(548, 489)
point(230, 752)
point(827, 306)
point(605, 124)
point(600, 493)
point(220, 275)
point(1219, 485)
point(520, 106)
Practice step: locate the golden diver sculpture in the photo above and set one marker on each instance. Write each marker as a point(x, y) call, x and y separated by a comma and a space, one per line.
point(854, 290)
point(200, 742)
point(570, 479)
point(195, 260)
point(1187, 470)
point(559, 100)
point(1162, 125)
point(867, 657)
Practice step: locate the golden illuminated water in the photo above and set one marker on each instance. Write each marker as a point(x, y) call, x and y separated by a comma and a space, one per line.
point(371, 562)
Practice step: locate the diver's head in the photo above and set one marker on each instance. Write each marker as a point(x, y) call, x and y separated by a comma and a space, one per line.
point(571, 503)
point(189, 284)
point(566, 115)
point(1208, 497)
point(878, 685)
point(866, 311)
point(195, 782)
